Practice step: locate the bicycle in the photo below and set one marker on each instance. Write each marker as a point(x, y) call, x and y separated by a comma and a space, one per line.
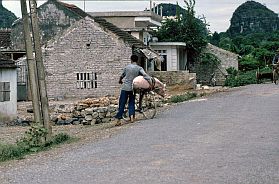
point(147, 106)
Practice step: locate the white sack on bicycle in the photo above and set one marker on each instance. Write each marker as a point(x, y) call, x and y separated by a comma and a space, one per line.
point(140, 83)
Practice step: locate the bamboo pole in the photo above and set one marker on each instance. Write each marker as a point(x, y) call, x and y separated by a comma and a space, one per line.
point(40, 68)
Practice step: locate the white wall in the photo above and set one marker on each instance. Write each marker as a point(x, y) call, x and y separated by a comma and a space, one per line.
point(9, 108)
point(172, 59)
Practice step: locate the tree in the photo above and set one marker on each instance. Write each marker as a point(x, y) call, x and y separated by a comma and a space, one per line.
point(226, 43)
point(187, 29)
point(247, 63)
point(263, 55)
point(169, 31)
point(215, 39)
point(194, 30)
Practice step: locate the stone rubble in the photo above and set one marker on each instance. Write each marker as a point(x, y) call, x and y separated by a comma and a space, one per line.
point(89, 111)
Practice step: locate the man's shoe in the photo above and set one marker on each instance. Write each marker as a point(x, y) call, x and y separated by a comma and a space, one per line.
point(132, 119)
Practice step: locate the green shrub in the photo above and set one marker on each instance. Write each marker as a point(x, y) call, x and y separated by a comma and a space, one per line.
point(241, 79)
point(183, 97)
point(33, 138)
point(32, 141)
point(232, 71)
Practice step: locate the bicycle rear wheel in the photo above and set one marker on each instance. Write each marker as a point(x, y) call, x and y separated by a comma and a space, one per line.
point(149, 105)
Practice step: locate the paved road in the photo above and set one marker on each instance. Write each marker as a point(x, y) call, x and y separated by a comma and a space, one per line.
point(228, 138)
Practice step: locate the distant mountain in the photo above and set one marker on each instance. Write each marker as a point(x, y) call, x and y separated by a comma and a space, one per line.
point(253, 17)
point(6, 17)
point(170, 9)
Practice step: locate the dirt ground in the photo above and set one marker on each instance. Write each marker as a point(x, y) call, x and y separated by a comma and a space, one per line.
point(10, 134)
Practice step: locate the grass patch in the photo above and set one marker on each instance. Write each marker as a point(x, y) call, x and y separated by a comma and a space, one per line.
point(183, 97)
point(9, 151)
point(23, 147)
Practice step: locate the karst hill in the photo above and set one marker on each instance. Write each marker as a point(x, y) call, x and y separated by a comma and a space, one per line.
point(6, 17)
point(253, 17)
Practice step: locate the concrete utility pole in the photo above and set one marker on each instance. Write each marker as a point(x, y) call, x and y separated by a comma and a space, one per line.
point(40, 67)
point(32, 71)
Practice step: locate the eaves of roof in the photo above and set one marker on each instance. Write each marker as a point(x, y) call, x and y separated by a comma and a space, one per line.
point(7, 64)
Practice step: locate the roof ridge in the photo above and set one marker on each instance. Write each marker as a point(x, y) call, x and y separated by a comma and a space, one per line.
point(105, 24)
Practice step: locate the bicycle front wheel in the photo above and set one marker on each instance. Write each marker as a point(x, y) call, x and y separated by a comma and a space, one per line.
point(149, 105)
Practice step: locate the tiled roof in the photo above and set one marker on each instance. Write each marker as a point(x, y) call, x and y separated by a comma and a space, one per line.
point(132, 41)
point(5, 39)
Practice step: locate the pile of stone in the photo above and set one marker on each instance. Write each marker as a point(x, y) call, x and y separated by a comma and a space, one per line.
point(88, 112)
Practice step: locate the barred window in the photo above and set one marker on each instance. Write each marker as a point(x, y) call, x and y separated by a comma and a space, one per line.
point(4, 91)
point(86, 80)
point(162, 52)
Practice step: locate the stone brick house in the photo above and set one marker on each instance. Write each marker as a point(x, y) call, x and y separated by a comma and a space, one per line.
point(86, 61)
point(227, 59)
point(83, 55)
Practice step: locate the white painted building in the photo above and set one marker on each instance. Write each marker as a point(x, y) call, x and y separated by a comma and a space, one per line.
point(174, 55)
point(139, 24)
point(8, 90)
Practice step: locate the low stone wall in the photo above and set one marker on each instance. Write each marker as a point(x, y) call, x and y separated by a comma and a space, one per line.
point(87, 112)
point(176, 77)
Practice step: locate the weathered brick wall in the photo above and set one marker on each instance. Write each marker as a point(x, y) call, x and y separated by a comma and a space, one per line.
point(85, 48)
point(53, 19)
point(175, 77)
point(228, 59)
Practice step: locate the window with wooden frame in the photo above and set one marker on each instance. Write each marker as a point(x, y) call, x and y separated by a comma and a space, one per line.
point(86, 80)
point(5, 91)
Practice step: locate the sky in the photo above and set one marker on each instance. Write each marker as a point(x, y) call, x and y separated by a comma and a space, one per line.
point(216, 12)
